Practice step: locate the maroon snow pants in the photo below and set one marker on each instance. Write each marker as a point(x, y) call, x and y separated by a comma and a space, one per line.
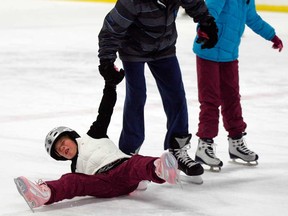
point(218, 86)
point(118, 181)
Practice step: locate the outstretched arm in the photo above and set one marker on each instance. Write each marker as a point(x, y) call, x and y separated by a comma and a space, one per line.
point(99, 127)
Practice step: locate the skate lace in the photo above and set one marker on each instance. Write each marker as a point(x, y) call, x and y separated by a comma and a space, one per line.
point(211, 149)
point(183, 156)
point(243, 146)
point(43, 185)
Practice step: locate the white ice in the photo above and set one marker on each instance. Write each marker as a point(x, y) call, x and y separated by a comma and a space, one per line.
point(49, 77)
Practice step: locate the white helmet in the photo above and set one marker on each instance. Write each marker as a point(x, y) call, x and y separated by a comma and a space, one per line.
point(54, 135)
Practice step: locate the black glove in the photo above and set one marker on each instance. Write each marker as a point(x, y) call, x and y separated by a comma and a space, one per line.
point(207, 32)
point(110, 73)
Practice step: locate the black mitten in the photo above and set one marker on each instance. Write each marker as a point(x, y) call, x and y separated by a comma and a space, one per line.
point(207, 32)
point(110, 73)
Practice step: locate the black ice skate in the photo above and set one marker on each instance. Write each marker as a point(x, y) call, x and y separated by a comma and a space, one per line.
point(178, 147)
point(205, 154)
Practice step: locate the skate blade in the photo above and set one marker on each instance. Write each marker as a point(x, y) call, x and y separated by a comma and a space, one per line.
point(212, 168)
point(192, 179)
point(170, 163)
point(215, 169)
point(245, 163)
point(21, 189)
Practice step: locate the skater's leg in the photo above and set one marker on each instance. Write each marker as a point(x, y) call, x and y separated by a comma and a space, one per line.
point(132, 134)
point(170, 85)
point(121, 180)
point(134, 170)
point(209, 98)
point(232, 113)
point(75, 184)
point(230, 106)
point(139, 168)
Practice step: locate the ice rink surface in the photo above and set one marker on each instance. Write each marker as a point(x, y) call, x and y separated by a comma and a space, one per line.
point(49, 77)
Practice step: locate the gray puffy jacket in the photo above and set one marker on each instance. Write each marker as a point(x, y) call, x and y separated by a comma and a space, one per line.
point(144, 30)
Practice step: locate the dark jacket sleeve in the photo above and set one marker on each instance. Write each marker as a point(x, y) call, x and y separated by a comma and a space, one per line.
point(99, 127)
point(196, 9)
point(115, 26)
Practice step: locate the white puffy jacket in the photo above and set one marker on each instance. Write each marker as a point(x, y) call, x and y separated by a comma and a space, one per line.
point(94, 154)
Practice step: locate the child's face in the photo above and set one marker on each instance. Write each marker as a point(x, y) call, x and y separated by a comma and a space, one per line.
point(66, 147)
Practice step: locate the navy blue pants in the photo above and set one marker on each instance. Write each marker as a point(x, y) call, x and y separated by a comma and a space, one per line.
point(167, 75)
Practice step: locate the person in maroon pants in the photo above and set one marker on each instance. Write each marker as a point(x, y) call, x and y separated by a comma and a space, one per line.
point(98, 167)
point(218, 80)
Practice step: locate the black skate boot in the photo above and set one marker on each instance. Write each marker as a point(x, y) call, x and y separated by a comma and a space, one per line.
point(178, 147)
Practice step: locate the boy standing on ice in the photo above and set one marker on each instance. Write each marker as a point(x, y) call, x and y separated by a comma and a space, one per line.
point(98, 167)
point(143, 33)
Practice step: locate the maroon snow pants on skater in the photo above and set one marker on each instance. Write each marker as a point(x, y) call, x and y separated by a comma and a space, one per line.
point(218, 86)
point(118, 181)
